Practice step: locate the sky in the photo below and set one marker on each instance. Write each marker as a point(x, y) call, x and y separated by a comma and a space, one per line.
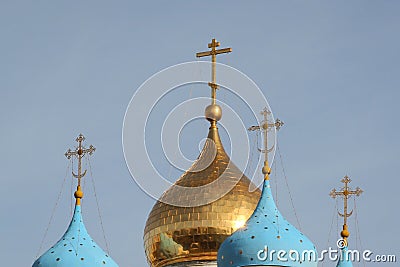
point(329, 69)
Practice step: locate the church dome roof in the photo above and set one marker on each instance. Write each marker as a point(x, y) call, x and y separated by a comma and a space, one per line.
point(266, 231)
point(75, 248)
point(189, 232)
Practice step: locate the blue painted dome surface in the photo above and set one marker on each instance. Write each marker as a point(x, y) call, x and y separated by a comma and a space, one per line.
point(345, 260)
point(266, 231)
point(76, 248)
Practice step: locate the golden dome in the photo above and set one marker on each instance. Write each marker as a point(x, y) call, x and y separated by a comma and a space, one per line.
point(186, 232)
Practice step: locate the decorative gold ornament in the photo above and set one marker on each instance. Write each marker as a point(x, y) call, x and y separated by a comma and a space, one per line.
point(79, 152)
point(346, 192)
point(213, 112)
point(265, 127)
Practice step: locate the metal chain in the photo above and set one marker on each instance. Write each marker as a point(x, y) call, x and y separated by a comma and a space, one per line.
point(358, 228)
point(251, 162)
point(330, 229)
point(72, 190)
point(54, 210)
point(276, 184)
point(97, 203)
point(337, 216)
point(287, 184)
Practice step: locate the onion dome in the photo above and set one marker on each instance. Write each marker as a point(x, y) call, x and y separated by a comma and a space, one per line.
point(267, 232)
point(179, 234)
point(76, 247)
point(206, 204)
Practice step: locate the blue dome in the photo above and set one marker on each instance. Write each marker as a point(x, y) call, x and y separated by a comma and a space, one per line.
point(264, 232)
point(76, 248)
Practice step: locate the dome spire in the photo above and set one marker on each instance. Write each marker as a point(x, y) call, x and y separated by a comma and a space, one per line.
point(265, 127)
point(213, 112)
point(79, 152)
point(345, 193)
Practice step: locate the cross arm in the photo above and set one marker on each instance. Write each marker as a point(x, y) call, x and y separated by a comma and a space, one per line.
point(70, 153)
point(203, 54)
point(223, 51)
point(216, 52)
point(254, 128)
point(335, 193)
point(89, 150)
point(356, 192)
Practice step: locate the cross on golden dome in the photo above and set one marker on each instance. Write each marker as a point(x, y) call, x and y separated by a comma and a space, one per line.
point(346, 192)
point(213, 53)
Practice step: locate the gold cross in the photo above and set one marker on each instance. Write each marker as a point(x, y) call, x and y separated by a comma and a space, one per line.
point(345, 192)
point(265, 127)
point(213, 53)
point(80, 152)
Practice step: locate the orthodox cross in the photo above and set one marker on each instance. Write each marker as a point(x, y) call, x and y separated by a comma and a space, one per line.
point(265, 127)
point(79, 153)
point(345, 192)
point(213, 53)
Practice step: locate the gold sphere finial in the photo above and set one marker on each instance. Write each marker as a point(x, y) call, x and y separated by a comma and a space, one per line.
point(213, 112)
point(266, 170)
point(78, 195)
point(345, 232)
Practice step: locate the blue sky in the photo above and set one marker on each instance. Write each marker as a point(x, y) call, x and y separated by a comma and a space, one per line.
point(330, 70)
